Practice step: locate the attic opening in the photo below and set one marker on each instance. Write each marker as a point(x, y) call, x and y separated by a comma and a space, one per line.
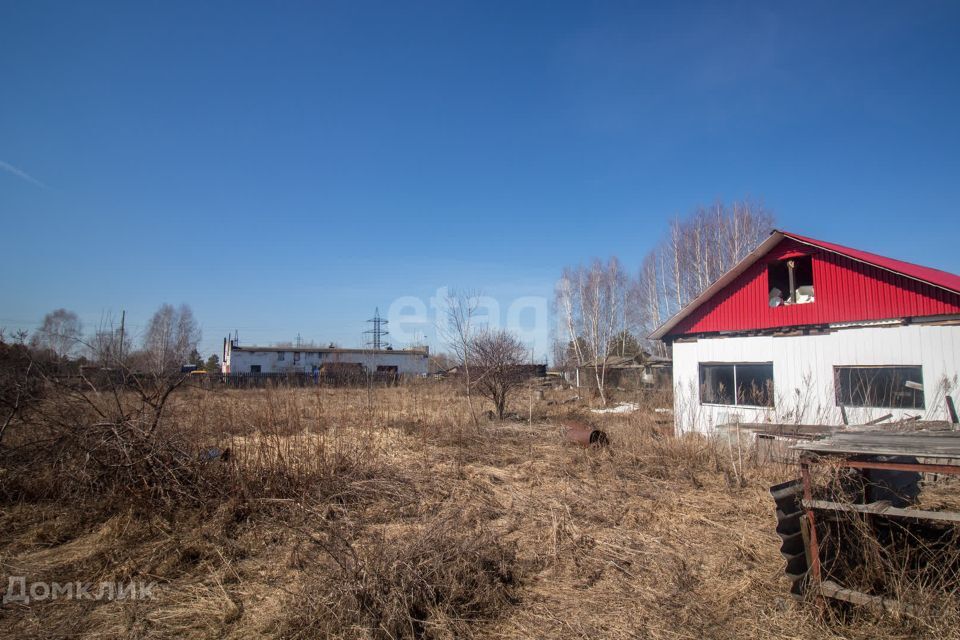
point(790, 281)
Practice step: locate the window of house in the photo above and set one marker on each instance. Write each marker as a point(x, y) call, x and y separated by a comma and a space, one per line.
point(281, 355)
point(738, 384)
point(880, 387)
point(296, 356)
point(790, 281)
point(254, 368)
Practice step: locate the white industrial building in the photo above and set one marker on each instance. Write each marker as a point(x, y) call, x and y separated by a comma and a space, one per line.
point(276, 360)
point(808, 332)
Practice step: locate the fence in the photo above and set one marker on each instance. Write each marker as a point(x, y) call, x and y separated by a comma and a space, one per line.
point(247, 380)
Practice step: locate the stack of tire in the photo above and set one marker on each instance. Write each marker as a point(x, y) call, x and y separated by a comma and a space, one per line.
point(787, 496)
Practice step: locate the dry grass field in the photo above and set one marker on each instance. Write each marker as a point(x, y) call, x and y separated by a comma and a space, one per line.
point(388, 513)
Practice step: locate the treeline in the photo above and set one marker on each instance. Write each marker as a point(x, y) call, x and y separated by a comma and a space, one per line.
point(169, 341)
point(601, 306)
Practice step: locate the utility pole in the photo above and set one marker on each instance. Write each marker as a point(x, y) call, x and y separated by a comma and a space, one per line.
point(123, 319)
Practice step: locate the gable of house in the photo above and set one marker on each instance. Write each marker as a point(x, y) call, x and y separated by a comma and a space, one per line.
point(847, 286)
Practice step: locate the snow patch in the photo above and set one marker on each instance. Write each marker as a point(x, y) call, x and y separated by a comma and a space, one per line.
point(623, 407)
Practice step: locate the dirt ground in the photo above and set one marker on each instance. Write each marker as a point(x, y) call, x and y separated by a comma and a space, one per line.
point(392, 513)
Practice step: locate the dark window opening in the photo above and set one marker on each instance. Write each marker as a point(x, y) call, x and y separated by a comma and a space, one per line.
point(746, 384)
point(296, 356)
point(880, 387)
point(281, 355)
point(384, 368)
point(254, 368)
point(790, 281)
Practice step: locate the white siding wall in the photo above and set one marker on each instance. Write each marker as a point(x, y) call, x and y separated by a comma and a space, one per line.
point(803, 373)
point(406, 363)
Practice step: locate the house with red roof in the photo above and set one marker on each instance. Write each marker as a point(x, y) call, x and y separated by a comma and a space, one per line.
point(810, 332)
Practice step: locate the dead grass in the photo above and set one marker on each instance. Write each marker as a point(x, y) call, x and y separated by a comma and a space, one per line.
point(388, 514)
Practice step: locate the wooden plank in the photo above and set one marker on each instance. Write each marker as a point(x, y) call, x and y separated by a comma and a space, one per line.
point(876, 426)
point(902, 427)
point(951, 469)
point(770, 435)
point(884, 509)
point(788, 426)
point(831, 589)
point(934, 444)
point(911, 450)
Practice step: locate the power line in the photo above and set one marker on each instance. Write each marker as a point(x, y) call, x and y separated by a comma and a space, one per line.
point(378, 332)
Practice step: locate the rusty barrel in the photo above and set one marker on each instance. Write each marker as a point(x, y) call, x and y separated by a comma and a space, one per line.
point(585, 435)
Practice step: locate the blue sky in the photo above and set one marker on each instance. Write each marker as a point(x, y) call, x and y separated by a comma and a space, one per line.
point(287, 167)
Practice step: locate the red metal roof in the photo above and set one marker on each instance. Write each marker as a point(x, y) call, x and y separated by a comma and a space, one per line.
point(850, 286)
point(943, 279)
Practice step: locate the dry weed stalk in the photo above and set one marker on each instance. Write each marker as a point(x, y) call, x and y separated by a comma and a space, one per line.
point(343, 515)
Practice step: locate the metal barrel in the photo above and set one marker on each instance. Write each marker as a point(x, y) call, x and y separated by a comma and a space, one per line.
point(585, 435)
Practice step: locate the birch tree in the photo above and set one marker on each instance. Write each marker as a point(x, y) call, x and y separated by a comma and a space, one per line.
point(591, 303)
point(60, 333)
point(694, 252)
point(171, 336)
point(645, 300)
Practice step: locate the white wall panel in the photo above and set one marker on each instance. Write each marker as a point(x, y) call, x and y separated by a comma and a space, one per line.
point(406, 363)
point(804, 378)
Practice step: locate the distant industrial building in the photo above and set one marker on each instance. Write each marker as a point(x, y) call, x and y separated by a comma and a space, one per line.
point(289, 360)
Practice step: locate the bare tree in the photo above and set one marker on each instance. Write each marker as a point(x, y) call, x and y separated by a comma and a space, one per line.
point(694, 253)
point(108, 344)
point(561, 354)
point(591, 302)
point(60, 333)
point(441, 361)
point(702, 247)
point(497, 356)
point(172, 335)
point(625, 345)
point(597, 302)
point(645, 301)
point(20, 384)
point(460, 309)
